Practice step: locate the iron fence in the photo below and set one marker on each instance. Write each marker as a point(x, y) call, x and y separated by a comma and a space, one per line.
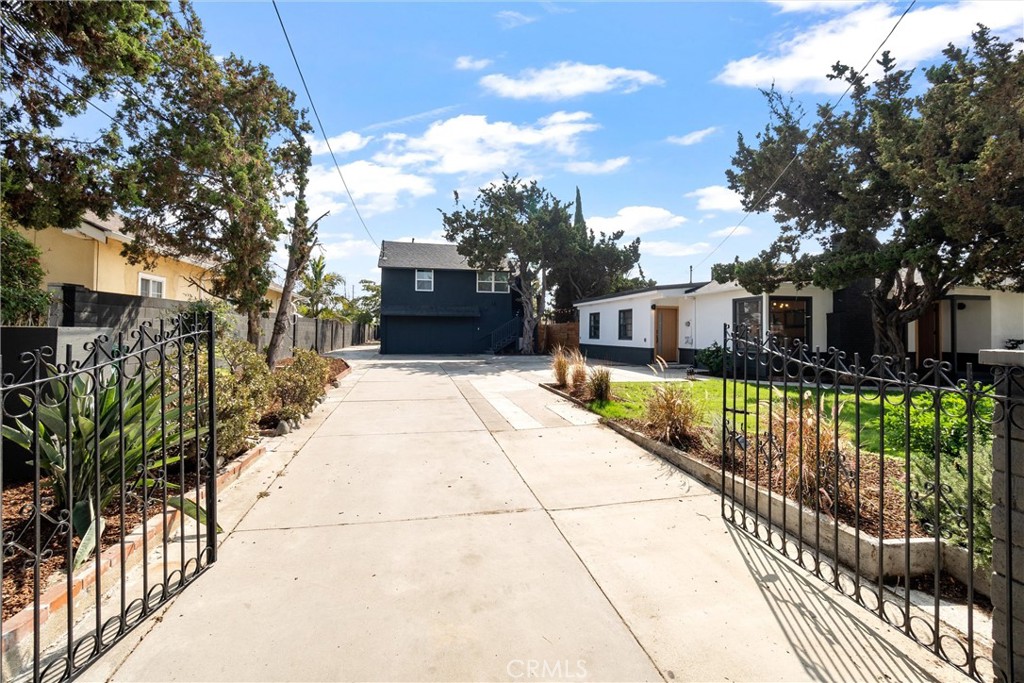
point(108, 487)
point(878, 480)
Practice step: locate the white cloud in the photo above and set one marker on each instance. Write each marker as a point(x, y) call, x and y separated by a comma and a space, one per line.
point(568, 79)
point(347, 246)
point(467, 63)
point(716, 198)
point(377, 188)
point(510, 19)
point(597, 167)
point(636, 220)
point(673, 248)
point(692, 138)
point(800, 62)
point(815, 5)
point(472, 144)
point(733, 231)
point(346, 142)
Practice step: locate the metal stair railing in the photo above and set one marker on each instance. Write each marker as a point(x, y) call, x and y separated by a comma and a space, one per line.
point(505, 334)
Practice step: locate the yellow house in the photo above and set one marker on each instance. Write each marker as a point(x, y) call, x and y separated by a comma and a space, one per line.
point(90, 256)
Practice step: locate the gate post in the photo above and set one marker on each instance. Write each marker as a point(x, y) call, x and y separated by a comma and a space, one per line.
point(1008, 513)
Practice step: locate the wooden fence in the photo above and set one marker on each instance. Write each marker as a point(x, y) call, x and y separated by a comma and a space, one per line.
point(550, 335)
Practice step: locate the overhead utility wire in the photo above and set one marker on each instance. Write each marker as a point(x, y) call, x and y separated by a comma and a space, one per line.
point(828, 113)
point(323, 131)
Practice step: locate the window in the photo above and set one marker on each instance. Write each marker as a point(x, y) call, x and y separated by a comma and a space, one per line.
point(790, 318)
point(151, 285)
point(424, 281)
point(595, 325)
point(746, 317)
point(491, 282)
point(626, 324)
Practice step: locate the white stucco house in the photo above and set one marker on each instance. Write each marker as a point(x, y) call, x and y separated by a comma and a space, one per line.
point(676, 321)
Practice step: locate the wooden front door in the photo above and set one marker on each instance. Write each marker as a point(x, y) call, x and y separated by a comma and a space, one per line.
point(928, 340)
point(666, 333)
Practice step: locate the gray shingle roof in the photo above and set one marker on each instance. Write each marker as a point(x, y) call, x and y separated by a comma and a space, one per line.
point(420, 255)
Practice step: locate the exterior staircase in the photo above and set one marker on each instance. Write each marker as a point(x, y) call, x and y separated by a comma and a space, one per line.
point(505, 335)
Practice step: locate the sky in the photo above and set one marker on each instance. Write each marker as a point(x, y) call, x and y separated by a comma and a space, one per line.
point(637, 104)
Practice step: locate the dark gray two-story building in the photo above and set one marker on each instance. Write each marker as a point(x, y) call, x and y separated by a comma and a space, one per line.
point(433, 302)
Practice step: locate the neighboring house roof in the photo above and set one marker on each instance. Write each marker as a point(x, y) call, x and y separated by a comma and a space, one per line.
point(421, 255)
point(111, 228)
point(685, 288)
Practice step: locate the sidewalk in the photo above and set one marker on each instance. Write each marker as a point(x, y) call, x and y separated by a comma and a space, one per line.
point(449, 520)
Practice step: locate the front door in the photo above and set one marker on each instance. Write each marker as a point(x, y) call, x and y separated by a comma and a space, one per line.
point(666, 333)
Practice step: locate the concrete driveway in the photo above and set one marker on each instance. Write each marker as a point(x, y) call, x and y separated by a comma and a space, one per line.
point(446, 519)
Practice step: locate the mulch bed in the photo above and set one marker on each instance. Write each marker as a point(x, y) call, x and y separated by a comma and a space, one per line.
point(892, 512)
point(18, 576)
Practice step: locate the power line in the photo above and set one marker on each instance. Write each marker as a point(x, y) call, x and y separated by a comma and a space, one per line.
point(323, 131)
point(828, 114)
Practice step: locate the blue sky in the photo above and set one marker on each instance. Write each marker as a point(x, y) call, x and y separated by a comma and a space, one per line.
point(638, 104)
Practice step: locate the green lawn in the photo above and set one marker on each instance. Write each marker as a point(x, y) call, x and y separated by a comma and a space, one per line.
point(629, 398)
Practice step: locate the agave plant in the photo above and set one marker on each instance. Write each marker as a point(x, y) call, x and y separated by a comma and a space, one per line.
point(86, 435)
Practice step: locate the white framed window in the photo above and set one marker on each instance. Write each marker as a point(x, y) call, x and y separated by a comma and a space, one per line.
point(151, 285)
point(491, 282)
point(424, 281)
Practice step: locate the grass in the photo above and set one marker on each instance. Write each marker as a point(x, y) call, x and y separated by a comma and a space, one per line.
point(629, 399)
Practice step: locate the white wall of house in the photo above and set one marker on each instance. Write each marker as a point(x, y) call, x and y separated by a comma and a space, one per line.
point(609, 321)
point(1007, 318)
point(712, 306)
point(708, 314)
point(982, 323)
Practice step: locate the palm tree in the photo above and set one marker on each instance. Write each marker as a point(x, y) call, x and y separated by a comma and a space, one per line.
point(319, 289)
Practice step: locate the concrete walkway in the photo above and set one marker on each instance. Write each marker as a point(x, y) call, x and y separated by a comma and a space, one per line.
point(449, 520)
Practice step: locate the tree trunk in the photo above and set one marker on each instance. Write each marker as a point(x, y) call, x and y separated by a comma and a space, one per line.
point(277, 336)
point(887, 322)
point(526, 296)
point(253, 328)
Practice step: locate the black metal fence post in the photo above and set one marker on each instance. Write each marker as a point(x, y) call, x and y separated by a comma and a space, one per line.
point(211, 462)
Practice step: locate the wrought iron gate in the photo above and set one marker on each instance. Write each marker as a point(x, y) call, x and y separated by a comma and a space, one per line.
point(107, 462)
point(877, 479)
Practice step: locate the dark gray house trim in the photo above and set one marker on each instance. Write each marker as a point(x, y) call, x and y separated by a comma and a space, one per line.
point(619, 354)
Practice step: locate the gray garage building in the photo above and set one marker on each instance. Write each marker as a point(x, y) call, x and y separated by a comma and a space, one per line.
point(433, 302)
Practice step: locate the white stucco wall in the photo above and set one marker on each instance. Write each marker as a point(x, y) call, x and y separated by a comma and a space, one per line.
point(1007, 318)
point(711, 307)
point(609, 311)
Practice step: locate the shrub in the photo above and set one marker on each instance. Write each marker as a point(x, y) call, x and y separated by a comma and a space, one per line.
point(675, 416)
point(952, 453)
point(22, 299)
point(712, 358)
point(560, 365)
point(600, 384)
point(243, 394)
point(809, 475)
point(298, 386)
point(223, 314)
point(577, 372)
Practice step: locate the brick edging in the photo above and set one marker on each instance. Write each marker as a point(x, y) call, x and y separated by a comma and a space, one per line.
point(55, 599)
